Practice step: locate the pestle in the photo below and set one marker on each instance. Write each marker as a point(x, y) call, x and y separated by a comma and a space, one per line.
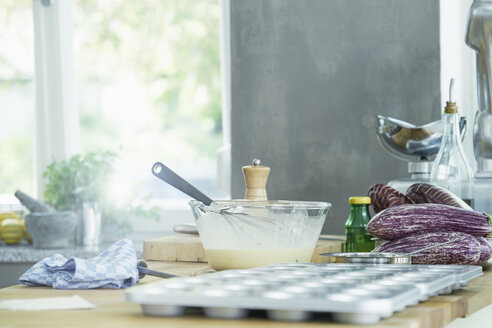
point(32, 204)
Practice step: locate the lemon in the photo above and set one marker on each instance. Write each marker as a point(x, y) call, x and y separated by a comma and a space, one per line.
point(11, 231)
point(6, 215)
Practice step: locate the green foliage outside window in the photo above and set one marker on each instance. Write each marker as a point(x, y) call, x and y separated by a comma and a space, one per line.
point(168, 48)
point(168, 54)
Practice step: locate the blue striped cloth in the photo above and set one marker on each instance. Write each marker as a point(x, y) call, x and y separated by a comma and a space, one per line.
point(115, 268)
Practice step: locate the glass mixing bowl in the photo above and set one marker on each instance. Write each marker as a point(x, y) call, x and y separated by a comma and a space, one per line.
point(241, 234)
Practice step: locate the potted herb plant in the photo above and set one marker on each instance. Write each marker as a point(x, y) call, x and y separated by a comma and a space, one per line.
point(79, 184)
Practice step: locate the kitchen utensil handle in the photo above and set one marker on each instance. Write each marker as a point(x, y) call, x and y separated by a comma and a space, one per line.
point(143, 271)
point(189, 229)
point(167, 175)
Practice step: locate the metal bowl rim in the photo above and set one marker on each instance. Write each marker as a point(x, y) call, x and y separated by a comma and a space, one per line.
point(309, 205)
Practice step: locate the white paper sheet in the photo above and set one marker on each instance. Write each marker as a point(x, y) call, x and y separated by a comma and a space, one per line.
point(43, 304)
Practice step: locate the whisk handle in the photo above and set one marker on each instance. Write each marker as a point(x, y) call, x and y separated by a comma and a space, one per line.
point(167, 175)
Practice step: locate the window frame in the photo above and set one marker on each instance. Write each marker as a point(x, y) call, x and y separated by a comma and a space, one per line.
point(56, 113)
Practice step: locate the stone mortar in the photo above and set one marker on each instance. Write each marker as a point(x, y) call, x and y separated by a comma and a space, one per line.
point(52, 229)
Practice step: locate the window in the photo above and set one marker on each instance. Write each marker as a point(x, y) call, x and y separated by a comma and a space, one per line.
point(148, 81)
point(147, 87)
point(16, 97)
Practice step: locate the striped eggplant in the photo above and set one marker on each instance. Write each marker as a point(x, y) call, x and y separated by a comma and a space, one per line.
point(485, 249)
point(383, 196)
point(464, 251)
point(403, 220)
point(428, 193)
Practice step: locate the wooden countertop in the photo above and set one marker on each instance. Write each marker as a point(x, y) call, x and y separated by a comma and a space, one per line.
point(113, 311)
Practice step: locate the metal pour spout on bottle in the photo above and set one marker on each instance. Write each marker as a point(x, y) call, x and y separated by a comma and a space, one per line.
point(479, 38)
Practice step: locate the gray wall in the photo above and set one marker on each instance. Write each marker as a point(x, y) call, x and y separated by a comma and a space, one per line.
point(308, 78)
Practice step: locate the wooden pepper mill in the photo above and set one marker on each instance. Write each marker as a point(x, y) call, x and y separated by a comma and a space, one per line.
point(256, 177)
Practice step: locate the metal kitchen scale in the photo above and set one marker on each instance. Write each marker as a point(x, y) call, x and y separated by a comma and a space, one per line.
point(479, 38)
point(420, 144)
point(417, 145)
point(343, 292)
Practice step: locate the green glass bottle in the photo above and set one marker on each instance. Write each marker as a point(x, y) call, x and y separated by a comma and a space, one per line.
point(357, 237)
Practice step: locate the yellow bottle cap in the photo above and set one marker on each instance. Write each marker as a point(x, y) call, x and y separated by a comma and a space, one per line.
point(359, 200)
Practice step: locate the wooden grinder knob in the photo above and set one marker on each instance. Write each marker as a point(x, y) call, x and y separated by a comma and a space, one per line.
point(255, 177)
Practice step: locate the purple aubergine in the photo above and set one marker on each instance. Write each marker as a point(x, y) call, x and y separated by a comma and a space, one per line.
point(403, 220)
point(466, 250)
point(485, 249)
point(428, 193)
point(383, 197)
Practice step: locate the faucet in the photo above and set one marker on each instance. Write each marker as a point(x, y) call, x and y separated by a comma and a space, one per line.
point(479, 38)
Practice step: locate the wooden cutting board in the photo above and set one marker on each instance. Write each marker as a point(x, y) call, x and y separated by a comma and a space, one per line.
point(188, 248)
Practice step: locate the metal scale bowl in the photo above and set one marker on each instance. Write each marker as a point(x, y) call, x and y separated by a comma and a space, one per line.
point(412, 143)
point(418, 145)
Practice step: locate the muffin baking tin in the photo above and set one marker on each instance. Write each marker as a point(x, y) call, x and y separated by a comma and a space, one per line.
point(342, 292)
